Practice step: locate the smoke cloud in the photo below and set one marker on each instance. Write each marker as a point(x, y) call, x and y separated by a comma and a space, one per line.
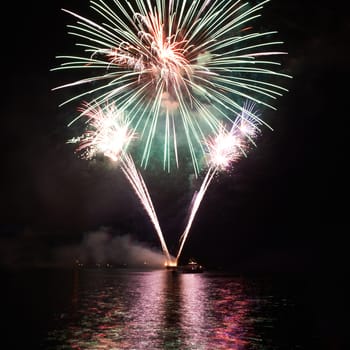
point(103, 248)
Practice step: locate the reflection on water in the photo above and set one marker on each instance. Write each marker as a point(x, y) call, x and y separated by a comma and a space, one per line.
point(121, 309)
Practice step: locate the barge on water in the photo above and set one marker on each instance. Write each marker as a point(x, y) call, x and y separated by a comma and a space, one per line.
point(191, 267)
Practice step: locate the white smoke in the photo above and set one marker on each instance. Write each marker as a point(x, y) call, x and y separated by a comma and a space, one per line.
point(103, 248)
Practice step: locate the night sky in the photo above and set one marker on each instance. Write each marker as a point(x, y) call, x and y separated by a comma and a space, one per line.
point(282, 208)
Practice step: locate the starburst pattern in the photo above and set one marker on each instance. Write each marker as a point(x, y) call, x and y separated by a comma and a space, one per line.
point(180, 69)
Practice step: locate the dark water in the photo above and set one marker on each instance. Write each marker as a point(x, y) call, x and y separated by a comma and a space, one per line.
point(127, 309)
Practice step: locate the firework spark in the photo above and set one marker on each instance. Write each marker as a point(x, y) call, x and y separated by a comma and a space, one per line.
point(197, 199)
point(223, 150)
point(230, 144)
point(180, 68)
point(108, 132)
point(135, 179)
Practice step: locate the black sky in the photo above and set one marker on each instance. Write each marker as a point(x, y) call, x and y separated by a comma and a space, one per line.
point(281, 208)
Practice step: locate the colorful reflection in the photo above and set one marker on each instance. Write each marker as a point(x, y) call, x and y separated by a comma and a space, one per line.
point(232, 306)
point(122, 309)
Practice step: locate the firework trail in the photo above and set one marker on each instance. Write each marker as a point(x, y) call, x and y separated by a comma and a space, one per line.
point(198, 197)
point(140, 188)
point(109, 133)
point(181, 68)
point(223, 150)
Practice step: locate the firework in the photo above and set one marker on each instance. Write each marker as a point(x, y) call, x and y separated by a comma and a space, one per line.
point(135, 179)
point(180, 68)
point(197, 199)
point(223, 150)
point(108, 132)
point(230, 144)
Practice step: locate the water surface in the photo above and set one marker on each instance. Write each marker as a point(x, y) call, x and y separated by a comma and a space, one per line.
point(156, 309)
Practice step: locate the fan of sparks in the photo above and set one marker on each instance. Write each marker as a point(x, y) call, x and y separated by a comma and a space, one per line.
point(180, 70)
point(223, 151)
point(108, 132)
